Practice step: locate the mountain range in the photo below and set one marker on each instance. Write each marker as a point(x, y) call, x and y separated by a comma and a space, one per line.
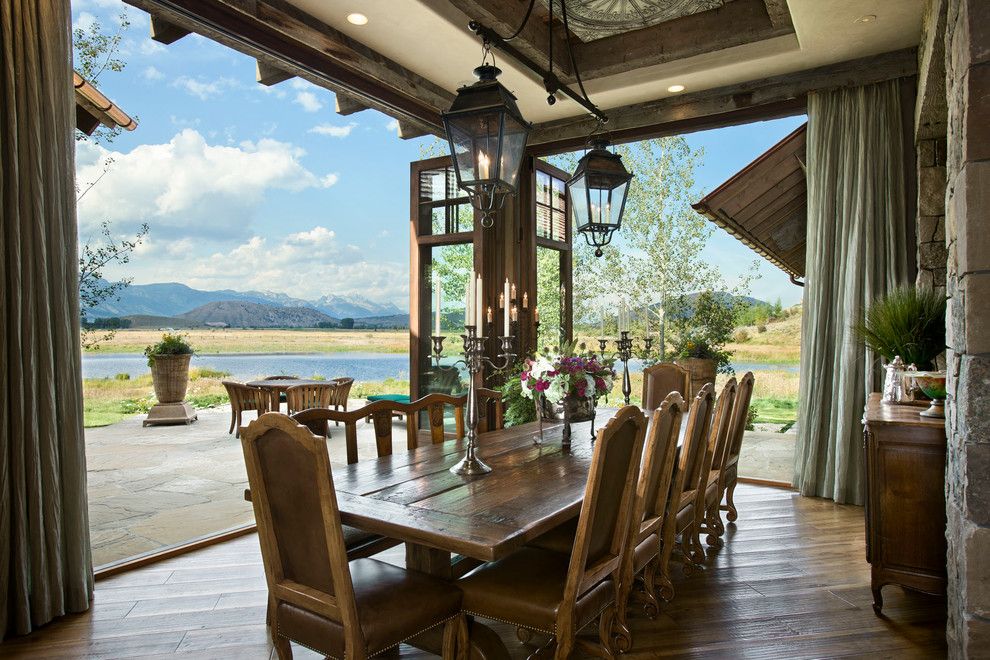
point(171, 299)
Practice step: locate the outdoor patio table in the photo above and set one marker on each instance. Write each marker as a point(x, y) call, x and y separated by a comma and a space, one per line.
point(280, 386)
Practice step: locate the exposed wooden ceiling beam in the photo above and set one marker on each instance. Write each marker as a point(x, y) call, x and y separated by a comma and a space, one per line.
point(408, 131)
point(283, 37)
point(347, 105)
point(505, 17)
point(751, 101)
point(269, 75)
point(734, 24)
point(778, 12)
point(164, 32)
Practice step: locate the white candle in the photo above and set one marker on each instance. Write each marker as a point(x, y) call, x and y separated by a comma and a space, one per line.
point(602, 335)
point(484, 164)
point(436, 287)
point(646, 310)
point(515, 315)
point(479, 297)
point(536, 315)
point(525, 300)
point(513, 295)
point(489, 317)
point(469, 303)
point(505, 318)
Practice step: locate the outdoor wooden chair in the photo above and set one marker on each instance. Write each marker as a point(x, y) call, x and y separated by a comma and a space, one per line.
point(278, 397)
point(707, 519)
point(304, 397)
point(244, 397)
point(641, 561)
point(317, 598)
point(545, 591)
point(679, 521)
point(730, 469)
point(661, 379)
point(380, 414)
point(341, 391)
point(492, 410)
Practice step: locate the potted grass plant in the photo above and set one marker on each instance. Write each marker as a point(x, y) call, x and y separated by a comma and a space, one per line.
point(169, 362)
point(907, 327)
point(908, 322)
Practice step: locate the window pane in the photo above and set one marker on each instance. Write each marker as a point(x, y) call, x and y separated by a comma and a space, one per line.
point(558, 193)
point(450, 267)
point(548, 296)
point(544, 227)
point(542, 188)
point(559, 228)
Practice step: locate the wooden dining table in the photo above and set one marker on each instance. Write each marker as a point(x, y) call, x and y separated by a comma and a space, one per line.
point(277, 387)
point(451, 523)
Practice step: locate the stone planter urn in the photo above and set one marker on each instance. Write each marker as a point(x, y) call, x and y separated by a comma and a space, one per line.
point(702, 372)
point(170, 375)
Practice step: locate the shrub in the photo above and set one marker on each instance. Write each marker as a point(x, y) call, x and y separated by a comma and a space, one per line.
point(171, 344)
point(122, 377)
point(761, 328)
point(740, 336)
point(206, 372)
point(703, 326)
point(751, 415)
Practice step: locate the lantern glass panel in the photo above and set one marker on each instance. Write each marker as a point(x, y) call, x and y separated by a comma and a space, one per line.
point(513, 148)
point(474, 142)
point(578, 202)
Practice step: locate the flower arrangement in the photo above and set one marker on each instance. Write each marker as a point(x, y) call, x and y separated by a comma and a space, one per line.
point(567, 374)
point(171, 344)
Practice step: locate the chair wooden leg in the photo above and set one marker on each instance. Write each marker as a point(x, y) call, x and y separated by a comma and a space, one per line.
point(282, 646)
point(564, 647)
point(619, 636)
point(731, 506)
point(233, 419)
point(237, 433)
point(664, 583)
point(648, 594)
point(455, 639)
point(713, 524)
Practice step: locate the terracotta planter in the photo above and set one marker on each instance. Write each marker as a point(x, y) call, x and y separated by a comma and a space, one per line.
point(170, 374)
point(702, 372)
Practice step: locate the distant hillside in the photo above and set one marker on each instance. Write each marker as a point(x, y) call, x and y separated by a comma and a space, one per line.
point(171, 299)
point(239, 314)
point(400, 321)
point(147, 321)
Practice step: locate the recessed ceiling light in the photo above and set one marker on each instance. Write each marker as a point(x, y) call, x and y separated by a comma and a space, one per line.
point(357, 19)
point(868, 18)
point(674, 89)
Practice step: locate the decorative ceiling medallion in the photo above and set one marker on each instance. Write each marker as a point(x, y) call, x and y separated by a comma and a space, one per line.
point(595, 19)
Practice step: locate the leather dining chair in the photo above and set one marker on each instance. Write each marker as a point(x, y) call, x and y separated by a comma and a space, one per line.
point(707, 519)
point(661, 379)
point(317, 598)
point(678, 525)
point(640, 562)
point(549, 592)
point(730, 469)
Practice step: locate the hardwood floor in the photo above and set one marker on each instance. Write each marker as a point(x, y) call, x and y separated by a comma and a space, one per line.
point(792, 582)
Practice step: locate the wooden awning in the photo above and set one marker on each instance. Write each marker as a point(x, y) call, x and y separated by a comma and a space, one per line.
point(765, 204)
point(93, 108)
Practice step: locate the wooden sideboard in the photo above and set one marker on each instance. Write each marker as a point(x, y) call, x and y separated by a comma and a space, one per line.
point(905, 498)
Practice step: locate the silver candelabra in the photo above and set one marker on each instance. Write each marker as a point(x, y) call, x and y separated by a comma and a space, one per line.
point(474, 360)
point(624, 351)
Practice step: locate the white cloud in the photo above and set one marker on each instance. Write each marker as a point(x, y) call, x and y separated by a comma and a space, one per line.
point(203, 89)
point(84, 21)
point(152, 73)
point(330, 179)
point(150, 47)
point(306, 264)
point(187, 188)
point(392, 125)
point(308, 101)
point(332, 130)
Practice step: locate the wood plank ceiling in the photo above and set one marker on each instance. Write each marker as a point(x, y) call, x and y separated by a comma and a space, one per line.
point(765, 205)
point(616, 48)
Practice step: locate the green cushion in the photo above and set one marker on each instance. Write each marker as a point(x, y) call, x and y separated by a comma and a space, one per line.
point(398, 398)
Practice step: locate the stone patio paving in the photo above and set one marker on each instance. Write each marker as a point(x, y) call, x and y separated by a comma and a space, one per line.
point(158, 486)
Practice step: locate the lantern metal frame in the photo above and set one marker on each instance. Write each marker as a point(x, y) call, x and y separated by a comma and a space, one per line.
point(598, 163)
point(487, 96)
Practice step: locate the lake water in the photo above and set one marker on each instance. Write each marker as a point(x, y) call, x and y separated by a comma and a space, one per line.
point(359, 366)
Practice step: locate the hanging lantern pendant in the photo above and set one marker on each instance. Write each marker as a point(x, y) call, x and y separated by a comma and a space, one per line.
point(597, 194)
point(487, 137)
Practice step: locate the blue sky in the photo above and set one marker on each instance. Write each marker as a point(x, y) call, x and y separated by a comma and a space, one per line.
point(248, 187)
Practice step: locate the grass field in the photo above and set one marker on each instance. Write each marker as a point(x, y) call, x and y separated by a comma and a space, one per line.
point(109, 400)
point(267, 341)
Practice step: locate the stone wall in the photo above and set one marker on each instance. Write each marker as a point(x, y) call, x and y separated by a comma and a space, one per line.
point(931, 213)
point(967, 237)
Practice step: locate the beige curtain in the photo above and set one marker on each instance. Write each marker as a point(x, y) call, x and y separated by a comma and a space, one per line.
point(45, 562)
point(857, 249)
